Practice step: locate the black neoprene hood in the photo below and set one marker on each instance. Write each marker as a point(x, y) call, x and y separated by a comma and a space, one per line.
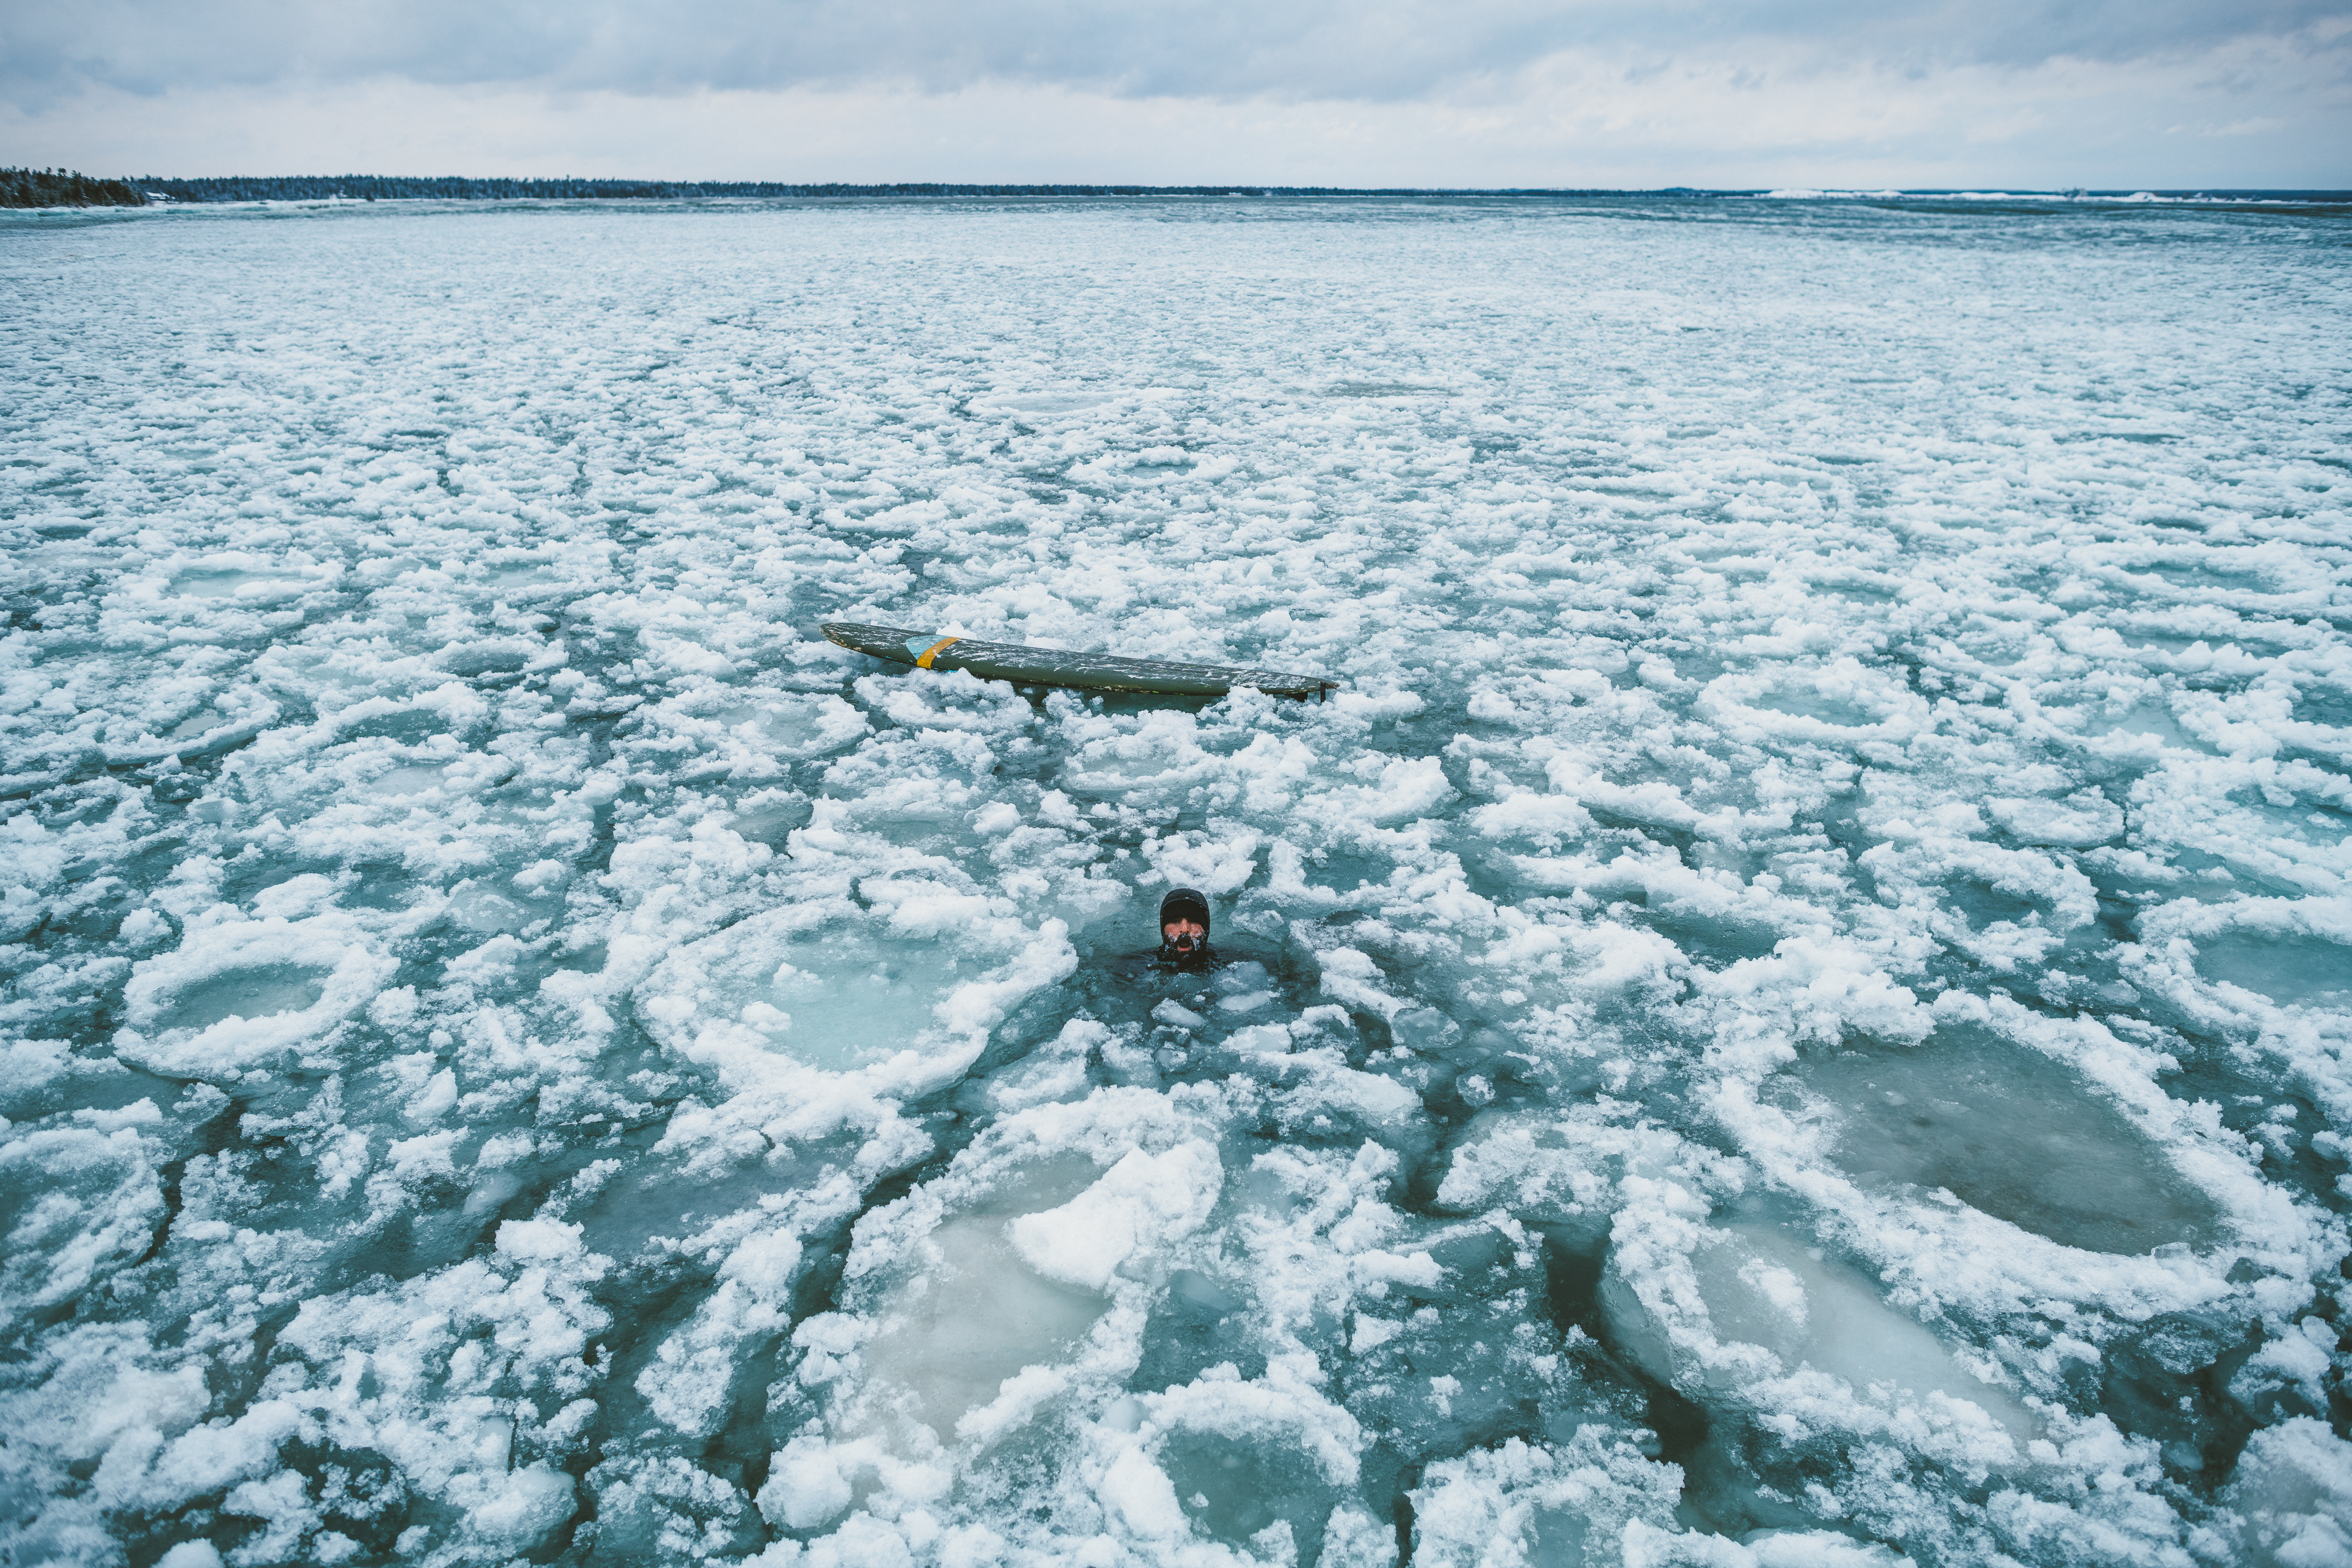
point(1189, 903)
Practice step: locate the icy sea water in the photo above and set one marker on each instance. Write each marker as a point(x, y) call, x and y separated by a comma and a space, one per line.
point(1794, 1012)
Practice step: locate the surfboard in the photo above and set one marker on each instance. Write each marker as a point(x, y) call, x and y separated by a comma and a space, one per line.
point(1053, 666)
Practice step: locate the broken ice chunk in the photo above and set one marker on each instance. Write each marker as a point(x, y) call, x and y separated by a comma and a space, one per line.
point(265, 991)
point(76, 1204)
point(2079, 822)
point(234, 994)
point(2008, 1131)
point(1141, 1201)
point(956, 1333)
point(827, 985)
point(1757, 1307)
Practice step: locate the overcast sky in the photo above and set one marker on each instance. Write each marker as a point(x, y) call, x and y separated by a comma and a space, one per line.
point(1986, 93)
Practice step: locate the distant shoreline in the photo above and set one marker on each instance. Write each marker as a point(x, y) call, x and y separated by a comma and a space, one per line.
point(24, 188)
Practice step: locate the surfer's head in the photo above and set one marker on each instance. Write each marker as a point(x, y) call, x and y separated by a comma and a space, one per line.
point(1184, 920)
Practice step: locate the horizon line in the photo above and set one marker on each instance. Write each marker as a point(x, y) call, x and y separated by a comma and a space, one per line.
point(216, 189)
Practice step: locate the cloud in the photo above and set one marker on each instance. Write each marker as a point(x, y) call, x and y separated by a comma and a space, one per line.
point(1224, 50)
point(2037, 93)
point(1762, 116)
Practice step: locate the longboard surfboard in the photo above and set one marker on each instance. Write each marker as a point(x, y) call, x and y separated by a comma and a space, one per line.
point(1052, 666)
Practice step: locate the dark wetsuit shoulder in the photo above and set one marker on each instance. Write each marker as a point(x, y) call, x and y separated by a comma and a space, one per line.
point(1157, 962)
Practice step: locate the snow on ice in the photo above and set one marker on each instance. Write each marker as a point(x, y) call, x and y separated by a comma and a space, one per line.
point(1795, 1010)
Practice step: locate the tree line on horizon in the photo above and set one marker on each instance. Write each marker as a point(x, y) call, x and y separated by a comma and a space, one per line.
point(63, 188)
point(38, 188)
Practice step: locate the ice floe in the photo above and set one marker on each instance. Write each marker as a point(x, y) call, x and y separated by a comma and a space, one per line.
point(1795, 1008)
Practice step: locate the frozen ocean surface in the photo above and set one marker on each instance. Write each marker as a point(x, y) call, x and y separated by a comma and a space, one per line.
point(1795, 1011)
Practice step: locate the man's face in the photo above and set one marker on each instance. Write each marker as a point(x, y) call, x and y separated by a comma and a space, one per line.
point(1183, 935)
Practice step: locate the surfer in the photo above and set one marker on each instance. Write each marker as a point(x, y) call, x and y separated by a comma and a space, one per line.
point(1185, 931)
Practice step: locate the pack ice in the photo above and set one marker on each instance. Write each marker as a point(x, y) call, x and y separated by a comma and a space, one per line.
point(1796, 1010)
